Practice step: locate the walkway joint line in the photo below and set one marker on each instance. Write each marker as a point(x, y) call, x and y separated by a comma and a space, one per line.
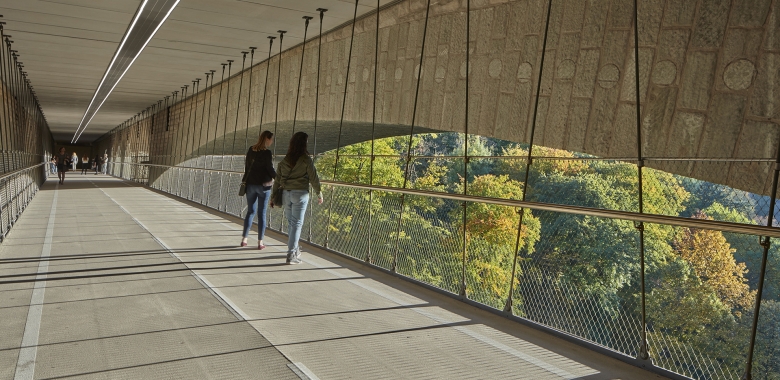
point(551, 368)
point(218, 295)
point(301, 371)
point(25, 365)
point(297, 368)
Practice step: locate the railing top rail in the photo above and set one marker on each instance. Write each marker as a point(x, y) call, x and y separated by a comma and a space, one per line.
point(602, 213)
point(15, 172)
point(551, 158)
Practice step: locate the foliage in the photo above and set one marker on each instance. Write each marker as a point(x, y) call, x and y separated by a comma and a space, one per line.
point(492, 235)
point(575, 272)
point(712, 260)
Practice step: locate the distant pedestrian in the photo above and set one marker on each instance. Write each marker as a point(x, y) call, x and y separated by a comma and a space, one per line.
point(84, 164)
point(63, 161)
point(104, 163)
point(259, 176)
point(53, 165)
point(294, 175)
point(74, 160)
point(96, 164)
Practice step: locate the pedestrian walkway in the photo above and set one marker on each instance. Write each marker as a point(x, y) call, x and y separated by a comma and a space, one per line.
point(104, 279)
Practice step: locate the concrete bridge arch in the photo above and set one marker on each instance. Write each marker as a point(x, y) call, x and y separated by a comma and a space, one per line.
point(708, 84)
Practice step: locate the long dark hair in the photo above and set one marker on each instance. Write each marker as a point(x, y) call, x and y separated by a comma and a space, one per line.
point(297, 148)
point(263, 141)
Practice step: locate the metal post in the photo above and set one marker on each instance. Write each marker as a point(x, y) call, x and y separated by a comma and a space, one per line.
point(394, 266)
point(193, 117)
point(341, 124)
point(180, 136)
point(766, 244)
point(224, 137)
point(238, 108)
point(249, 96)
point(278, 85)
point(644, 353)
point(278, 96)
point(373, 130)
point(203, 118)
point(216, 128)
point(17, 135)
point(463, 286)
point(4, 133)
point(529, 161)
point(316, 109)
point(300, 71)
point(171, 146)
point(262, 107)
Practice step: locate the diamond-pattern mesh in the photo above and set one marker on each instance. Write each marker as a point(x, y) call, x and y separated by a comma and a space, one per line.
point(581, 277)
point(16, 191)
point(767, 356)
point(700, 307)
point(574, 273)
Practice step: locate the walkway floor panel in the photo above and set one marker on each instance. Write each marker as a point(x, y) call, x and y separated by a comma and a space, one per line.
point(141, 285)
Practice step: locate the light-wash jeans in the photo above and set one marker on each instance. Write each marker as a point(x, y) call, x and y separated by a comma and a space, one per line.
point(257, 194)
point(295, 203)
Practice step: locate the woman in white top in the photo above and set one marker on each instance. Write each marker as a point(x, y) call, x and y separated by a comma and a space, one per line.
point(74, 159)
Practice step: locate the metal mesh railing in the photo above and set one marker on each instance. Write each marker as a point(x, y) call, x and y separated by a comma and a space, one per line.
point(613, 251)
point(26, 143)
point(578, 272)
point(17, 189)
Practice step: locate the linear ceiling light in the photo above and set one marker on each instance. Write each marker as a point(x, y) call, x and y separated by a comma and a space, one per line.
point(119, 62)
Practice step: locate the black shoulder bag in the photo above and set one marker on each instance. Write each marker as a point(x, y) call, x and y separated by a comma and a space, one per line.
point(242, 188)
point(276, 194)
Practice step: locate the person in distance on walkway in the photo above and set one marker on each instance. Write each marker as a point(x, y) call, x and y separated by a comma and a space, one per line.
point(294, 175)
point(84, 165)
point(96, 164)
point(259, 176)
point(63, 161)
point(74, 159)
point(104, 163)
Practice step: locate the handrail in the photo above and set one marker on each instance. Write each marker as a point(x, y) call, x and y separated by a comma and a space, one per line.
point(553, 158)
point(15, 172)
point(578, 210)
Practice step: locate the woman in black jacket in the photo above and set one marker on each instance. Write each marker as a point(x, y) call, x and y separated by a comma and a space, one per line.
point(259, 176)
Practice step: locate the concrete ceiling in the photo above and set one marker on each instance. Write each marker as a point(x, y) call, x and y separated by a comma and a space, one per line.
point(66, 46)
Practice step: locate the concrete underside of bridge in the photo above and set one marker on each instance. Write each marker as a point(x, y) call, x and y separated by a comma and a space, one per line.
point(172, 297)
point(708, 81)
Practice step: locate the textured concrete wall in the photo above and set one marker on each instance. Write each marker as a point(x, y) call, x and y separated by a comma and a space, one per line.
point(708, 81)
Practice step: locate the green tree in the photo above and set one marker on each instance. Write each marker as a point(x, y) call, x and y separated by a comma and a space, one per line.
point(491, 234)
point(748, 249)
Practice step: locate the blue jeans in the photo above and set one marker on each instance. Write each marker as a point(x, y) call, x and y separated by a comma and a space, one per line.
point(256, 194)
point(295, 203)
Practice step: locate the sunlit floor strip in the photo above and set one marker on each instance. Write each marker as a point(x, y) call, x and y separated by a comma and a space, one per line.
point(301, 371)
point(484, 339)
point(464, 330)
point(298, 368)
point(25, 365)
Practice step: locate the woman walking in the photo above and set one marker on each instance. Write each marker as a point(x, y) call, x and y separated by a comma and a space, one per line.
point(74, 159)
point(84, 164)
point(259, 175)
point(96, 164)
point(63, 161)
point(295, 173)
